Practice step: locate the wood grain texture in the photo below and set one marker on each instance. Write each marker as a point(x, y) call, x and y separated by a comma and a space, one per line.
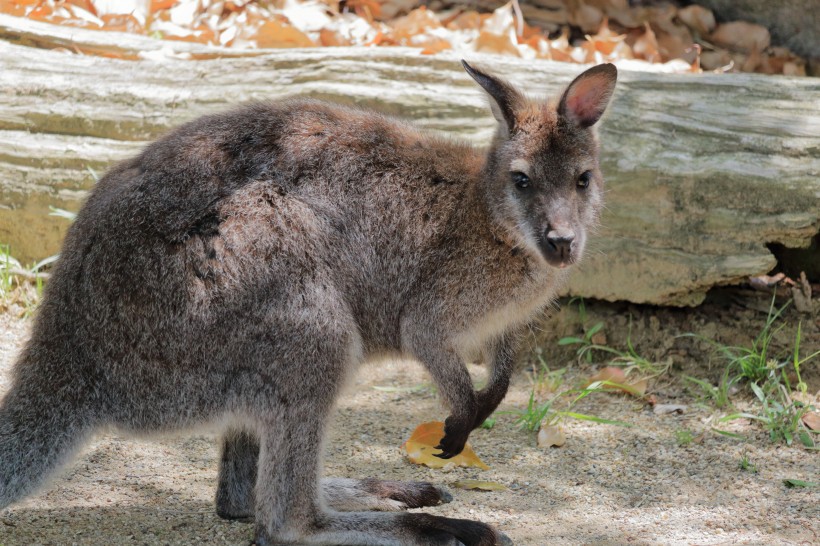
point(703, 170)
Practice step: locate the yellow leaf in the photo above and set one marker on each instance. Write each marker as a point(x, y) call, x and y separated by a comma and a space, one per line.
point(420, 448)
point(479, 485)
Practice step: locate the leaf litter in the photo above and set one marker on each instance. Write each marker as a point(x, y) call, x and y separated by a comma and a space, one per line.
point(673, 39)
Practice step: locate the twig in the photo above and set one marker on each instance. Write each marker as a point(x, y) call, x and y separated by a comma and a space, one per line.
point(28, 275)
point(519, 19)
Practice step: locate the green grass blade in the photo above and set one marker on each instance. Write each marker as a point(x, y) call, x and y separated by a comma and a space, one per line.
point(585, 417)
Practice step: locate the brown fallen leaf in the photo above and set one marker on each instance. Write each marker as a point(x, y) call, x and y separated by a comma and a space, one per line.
point(275, 34)
point(646, 46)
point(610, 373)
point(812, 420)
point(418, 21)
point(551, 436)
point(479, 485)
point(698, 18)
point(420, 448)
point(741, 36)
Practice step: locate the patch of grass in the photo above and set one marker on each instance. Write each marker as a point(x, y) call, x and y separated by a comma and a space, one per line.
point(684, 437)
point(767, 377)
point(547, 413)
point(630, 358)
point(22, 287)
point(488, 423)
point(585, 341)
point(746, 465)
point(718, 394)
point(7, 265)
point(543, 379)
point(791, 482)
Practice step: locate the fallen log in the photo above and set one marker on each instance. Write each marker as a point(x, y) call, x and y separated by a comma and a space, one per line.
point(703, 170)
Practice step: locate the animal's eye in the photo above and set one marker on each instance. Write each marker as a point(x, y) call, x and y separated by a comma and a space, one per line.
point(583, 180)
point(521, 180)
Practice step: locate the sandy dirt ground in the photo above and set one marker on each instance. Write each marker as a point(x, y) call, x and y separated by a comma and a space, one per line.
point(607, 485)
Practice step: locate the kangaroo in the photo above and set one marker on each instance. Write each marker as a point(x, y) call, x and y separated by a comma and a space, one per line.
point(240, 268)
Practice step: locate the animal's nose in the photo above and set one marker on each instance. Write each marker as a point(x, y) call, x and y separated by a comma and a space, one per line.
point(560, 242)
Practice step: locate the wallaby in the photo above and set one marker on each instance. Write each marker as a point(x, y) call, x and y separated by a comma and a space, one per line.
point(241, 267)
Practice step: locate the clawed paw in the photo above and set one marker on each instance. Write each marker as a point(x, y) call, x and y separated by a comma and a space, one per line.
point(455, 437)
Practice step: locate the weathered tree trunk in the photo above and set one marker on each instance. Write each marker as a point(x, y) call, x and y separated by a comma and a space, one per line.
point(703, 170)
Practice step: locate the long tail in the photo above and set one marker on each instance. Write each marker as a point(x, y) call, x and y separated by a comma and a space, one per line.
point(42, 426)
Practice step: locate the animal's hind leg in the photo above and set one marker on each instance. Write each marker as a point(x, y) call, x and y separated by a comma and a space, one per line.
point(351, 495)
point(235, 494)
point(288, 510)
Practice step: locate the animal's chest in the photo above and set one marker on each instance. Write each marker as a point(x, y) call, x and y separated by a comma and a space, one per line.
point(520, 306)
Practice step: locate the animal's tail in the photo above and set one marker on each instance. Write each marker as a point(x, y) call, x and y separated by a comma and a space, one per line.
point(42, 425)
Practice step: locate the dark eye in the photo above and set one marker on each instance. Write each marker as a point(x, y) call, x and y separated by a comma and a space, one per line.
point(583, 180)
point(521, 180)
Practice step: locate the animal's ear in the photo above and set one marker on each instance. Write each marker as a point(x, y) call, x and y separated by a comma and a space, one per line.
point(504, 98)
point(588, 95)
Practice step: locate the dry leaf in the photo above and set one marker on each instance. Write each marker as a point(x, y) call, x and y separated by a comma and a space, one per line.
point(617, 379)
point(812, 420)
point(420, 448)
point(274, 34)
point(551, 435)
point(391, 8)
point(636, 389)
point(479, 485)
point(715, 60)
point(741, 36)
point(414, 23)
point(493, 43)
point(158, 5)
point(497, 33)
point(306, 16)
point(610, 373)
point(468, 20)
point(646, 46)
point(433, 45)
point(501, 22)
point(589, 18)
point(606, 42)
point(698, 18)
point(794, 68)
point(121, 22)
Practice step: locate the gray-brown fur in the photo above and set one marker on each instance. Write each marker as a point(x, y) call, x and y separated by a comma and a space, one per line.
point(239, 269)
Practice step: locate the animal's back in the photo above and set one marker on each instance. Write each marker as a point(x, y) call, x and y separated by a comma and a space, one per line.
point(229, 214)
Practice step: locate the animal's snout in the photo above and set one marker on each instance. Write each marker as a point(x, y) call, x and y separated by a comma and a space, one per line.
point(557, 245)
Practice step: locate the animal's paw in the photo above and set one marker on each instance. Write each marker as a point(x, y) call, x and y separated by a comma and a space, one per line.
point(414, 494)
point(448, 531)
point(456, 432)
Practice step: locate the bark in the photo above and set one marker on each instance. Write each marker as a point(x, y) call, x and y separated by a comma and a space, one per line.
point(703, 170)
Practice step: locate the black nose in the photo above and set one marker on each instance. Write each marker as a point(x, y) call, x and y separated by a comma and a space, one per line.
point(559, 245)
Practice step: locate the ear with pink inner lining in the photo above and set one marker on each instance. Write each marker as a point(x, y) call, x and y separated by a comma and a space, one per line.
point(588, 95)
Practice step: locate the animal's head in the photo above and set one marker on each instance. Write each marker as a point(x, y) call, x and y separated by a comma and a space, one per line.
point(543, 181)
